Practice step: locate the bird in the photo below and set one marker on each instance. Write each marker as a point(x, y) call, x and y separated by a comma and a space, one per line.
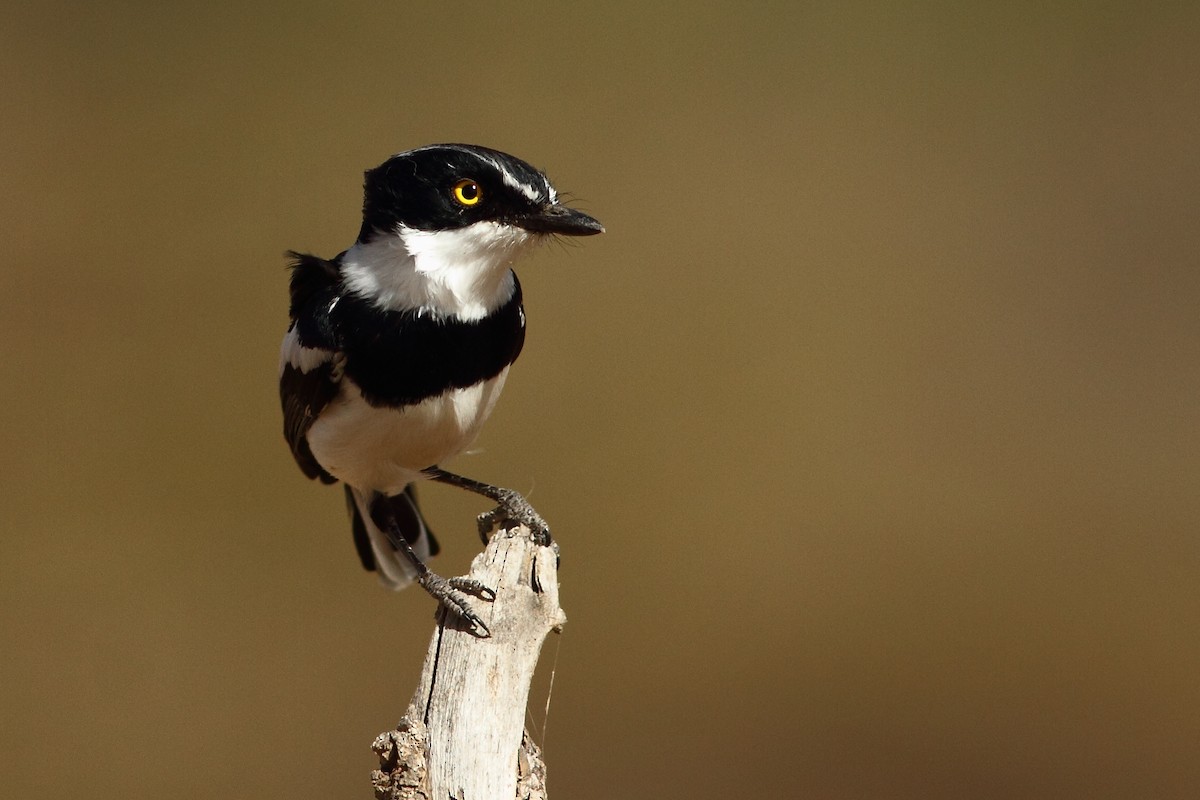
point(398, 347)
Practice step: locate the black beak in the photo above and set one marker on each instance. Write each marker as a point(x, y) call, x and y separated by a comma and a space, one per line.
point(553, 218)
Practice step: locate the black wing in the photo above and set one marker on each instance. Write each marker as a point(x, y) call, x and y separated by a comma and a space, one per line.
point(303, 395)
point(311, 357)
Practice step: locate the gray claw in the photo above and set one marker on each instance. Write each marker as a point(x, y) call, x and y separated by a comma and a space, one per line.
point(447, 593)
point(472, 586)
point(516, 508)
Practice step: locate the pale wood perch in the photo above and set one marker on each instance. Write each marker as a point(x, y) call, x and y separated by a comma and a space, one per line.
point(463, 734)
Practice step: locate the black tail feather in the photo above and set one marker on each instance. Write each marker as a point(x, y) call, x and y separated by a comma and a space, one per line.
point(408, 515)
point(362, 542)
point(418, 522)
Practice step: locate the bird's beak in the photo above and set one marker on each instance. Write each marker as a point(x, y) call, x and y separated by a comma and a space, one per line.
point(555, 218)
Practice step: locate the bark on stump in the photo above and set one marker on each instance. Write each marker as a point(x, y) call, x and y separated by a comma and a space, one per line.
point(463, 735)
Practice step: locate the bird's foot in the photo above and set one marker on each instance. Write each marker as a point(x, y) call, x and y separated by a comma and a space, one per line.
point(450, 593)
point(513, 508)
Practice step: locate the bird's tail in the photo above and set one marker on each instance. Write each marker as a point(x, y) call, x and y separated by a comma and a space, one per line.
point(374, 547)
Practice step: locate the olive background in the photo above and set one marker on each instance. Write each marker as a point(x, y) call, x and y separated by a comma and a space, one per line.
point(869, 429)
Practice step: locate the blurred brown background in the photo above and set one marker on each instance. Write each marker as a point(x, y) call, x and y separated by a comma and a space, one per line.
point(869, 430)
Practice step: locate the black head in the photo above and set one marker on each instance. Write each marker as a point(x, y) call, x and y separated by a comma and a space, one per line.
point(450, 186)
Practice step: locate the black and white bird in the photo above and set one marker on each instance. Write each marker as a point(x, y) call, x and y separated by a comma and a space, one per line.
point(398, 347)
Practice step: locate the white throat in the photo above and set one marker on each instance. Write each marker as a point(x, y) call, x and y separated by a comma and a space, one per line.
point(465, 272)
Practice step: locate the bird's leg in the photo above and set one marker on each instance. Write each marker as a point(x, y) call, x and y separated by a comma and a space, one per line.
point(510, 505)
point(447, 591)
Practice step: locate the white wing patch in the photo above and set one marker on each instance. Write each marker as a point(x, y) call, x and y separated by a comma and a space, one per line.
point(305, 359)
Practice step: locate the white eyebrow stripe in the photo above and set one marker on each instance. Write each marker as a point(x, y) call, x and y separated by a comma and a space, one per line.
point(524, 188)
point(532, 192)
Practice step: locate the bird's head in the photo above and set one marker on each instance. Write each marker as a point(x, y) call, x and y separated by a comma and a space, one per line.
point(459, 187)
point(443, 224)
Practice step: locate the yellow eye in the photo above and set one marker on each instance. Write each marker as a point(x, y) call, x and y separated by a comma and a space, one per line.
point(467, 192)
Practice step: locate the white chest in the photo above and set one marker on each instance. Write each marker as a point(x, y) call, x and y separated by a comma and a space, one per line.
point(384, 449)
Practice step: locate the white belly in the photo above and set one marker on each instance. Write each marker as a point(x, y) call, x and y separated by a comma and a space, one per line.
point(383, 449)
